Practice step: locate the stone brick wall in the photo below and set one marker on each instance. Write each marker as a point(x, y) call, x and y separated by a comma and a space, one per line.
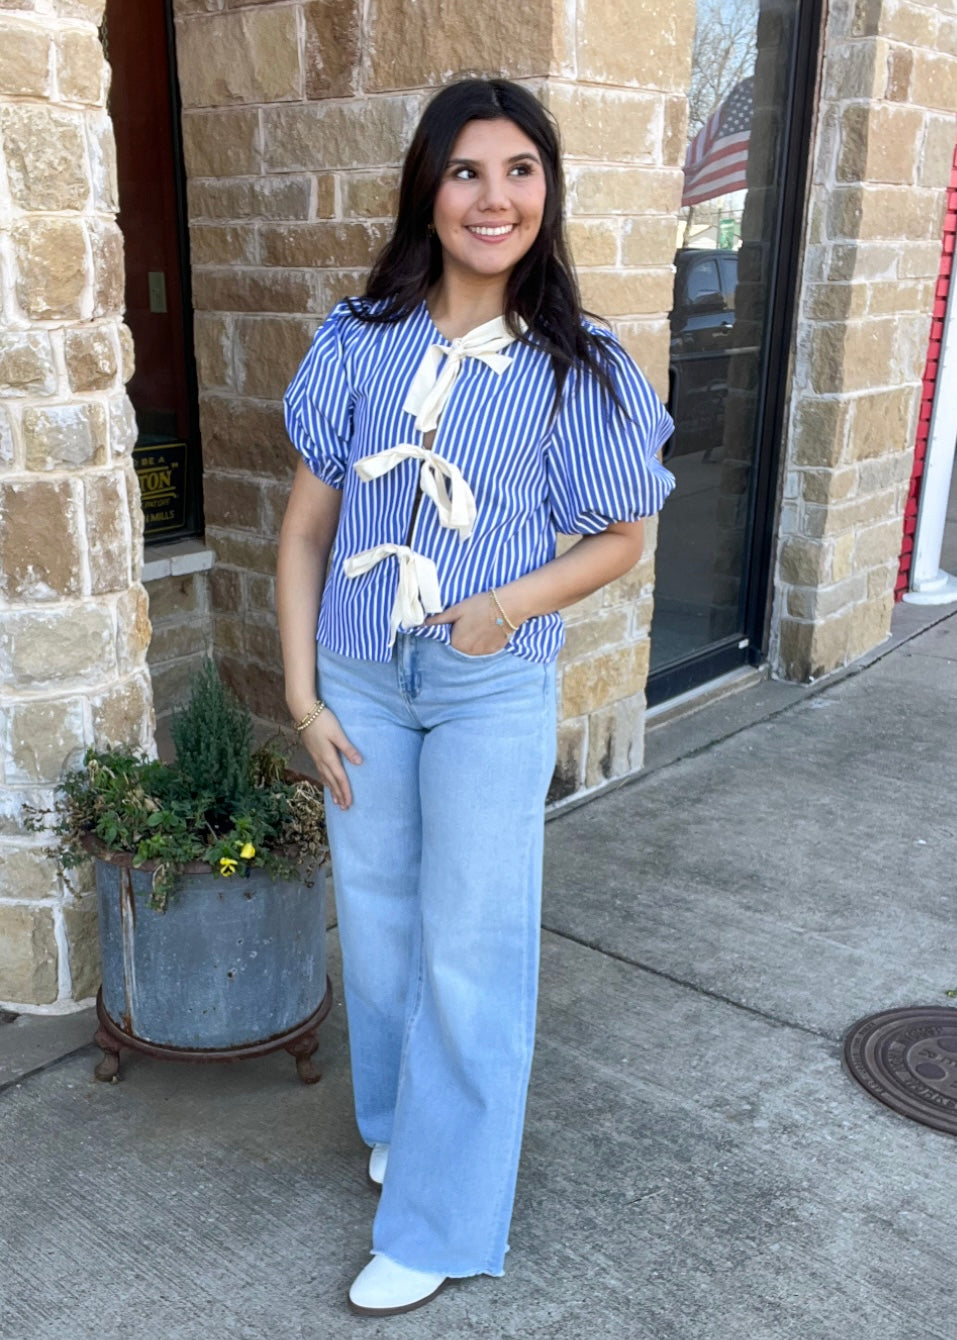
point(881, 164)
point(296, 117)
point(73, 620)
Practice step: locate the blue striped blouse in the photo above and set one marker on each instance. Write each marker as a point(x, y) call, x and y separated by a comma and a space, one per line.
point(533, 474)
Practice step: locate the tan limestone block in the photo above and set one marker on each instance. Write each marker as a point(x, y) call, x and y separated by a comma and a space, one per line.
point(24, 62)
point(325, 245)
point(81, 68)
point(430, 42)
point(127, 352)
point(368, 195)
point(233, 502)
point(52, 272)
point(287, 197)
point(647, 42)
point(252, 553)
point(46, 158)
point(336, 134)
point(268, 352)
point(874, 545)
point(603, 630)
point(247, 57)
point(274, 500)
point(616, 737)
point(865, 260)
point(256, 290)
point(859, 72)
point(40, 553)
point(823, 602)
point(28, 956)
point(73, 644)
point(335, 285)
point(807, 651)
point(333, 49)
point(879, 143)
point(886, 472)
point(171, 685)
point(174, 597)
point(870, 624)
point(221, 143)
point(27, 873)
point(937, 153)
point(856, 355)
point(102, 148)
point(881, 581)
point(123, 715)
point(90, 10)
point(55, 436)
point(915, 24)
point(897, 73)
point(647, 343)
point(107, 528)
point(91, 361)
point(881, 423)
point(649, 239)
point(593, 241)
point(612, 125)
point(226, 591)
point(45, 739)
point(245, 435)
point(83, 946)
point(228, 636)
point(604, 678)
point(181, 8)
point(261, 592)
point(598, 190)
point(569, 774)
point(627, 292)
point(213, 344)
point(836, 301)
point(261, 641)
point(26, 363)
point(880, 213)
point(824, 486)
point(173, 641)
point(223, 244)
point(262, 689)
point(133, 629)
point(803, 562)
point(123, 428)
point(109, 273)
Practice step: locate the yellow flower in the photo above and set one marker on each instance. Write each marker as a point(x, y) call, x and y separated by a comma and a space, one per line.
point(227, 866)
point(248, 852)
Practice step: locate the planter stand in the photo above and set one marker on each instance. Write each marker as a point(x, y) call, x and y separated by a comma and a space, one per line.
point(301, 1042)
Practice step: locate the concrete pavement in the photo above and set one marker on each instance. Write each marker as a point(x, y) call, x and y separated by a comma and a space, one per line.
point(696, 1165)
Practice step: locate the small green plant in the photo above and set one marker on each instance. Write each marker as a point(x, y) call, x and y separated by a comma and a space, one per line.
point(222, 802)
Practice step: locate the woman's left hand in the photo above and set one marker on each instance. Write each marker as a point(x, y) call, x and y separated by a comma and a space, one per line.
point(474, 630)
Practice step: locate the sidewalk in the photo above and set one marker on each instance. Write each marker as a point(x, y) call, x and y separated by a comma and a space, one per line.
point(696, 1164)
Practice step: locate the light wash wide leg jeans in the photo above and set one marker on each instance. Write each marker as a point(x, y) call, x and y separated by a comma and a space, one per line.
point(438, 869)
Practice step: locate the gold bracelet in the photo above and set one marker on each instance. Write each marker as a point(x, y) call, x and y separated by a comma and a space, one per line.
point(502, 620)
point(310, 716)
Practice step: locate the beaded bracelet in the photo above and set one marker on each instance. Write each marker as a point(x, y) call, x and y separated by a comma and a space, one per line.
point(502, 620)
point(310, 716)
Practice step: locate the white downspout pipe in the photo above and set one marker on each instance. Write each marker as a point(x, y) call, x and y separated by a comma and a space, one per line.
point(929, 584)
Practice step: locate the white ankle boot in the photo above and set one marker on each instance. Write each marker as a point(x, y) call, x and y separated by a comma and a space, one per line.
point(385, 1288)
point(378, 1159)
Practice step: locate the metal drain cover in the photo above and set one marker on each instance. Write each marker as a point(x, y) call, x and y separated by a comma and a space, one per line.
point(907, 1059)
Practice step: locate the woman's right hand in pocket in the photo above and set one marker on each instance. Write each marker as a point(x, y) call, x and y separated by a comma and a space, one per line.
point(327, 745)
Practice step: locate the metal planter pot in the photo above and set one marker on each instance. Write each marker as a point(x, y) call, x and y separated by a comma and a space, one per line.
point(232, 967)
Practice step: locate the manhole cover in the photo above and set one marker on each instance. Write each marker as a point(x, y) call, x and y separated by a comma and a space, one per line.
point(907, 1059)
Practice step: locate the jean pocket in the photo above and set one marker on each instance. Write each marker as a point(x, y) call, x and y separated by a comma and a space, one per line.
point(477, 660)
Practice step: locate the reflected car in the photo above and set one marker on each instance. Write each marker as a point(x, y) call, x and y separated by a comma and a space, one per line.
point(702, 339)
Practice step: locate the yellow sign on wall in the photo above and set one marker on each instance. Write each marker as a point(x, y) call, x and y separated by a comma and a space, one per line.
point(161, 471)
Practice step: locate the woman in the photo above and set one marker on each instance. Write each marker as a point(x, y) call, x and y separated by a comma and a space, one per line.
point(450, 423)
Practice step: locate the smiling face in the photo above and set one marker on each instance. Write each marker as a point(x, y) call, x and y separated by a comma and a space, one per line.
point(488, 209)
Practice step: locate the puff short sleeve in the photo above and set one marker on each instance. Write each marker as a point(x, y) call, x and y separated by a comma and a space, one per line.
point(602, 464)
point(319, 400)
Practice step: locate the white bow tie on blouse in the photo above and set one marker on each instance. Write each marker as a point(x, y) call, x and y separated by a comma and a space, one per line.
point(418, 592)
point(455, 503)
point(431, 388)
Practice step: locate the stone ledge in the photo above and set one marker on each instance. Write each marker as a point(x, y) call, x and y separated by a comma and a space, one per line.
point(177, 559)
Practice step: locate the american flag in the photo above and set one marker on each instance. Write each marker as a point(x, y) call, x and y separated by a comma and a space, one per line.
point(717, 158)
